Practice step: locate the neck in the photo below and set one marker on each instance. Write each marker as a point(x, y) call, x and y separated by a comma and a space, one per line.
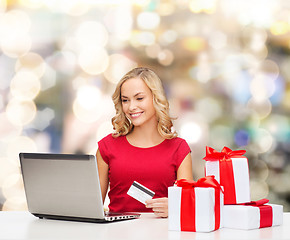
point(145, 136)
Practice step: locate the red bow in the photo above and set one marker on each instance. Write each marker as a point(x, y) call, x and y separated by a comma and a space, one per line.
point(256, 203)
point(226, 153)
point(208, 181)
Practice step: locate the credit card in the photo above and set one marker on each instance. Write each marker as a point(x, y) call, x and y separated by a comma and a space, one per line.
point(140, 193)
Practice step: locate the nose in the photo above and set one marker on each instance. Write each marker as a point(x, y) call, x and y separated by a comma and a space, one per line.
point(132, 106)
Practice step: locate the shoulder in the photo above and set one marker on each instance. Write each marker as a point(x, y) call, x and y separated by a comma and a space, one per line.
point(110, 139)
point(107, 138)
point(110, 146)
point(178, 143)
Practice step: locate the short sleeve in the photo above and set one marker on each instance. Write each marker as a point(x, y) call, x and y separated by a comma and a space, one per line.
point(103, 146)
point(182, 151)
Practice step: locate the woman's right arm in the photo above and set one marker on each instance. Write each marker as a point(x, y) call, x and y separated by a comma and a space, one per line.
point(103, 170)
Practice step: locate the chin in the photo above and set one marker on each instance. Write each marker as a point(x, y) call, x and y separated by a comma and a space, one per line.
point(137, 123)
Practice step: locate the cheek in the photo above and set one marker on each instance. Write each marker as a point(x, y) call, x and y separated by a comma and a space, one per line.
point(124, 109)
point(150, 107)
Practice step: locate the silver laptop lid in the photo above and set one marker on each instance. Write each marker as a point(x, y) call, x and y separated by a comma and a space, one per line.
point(62, 185)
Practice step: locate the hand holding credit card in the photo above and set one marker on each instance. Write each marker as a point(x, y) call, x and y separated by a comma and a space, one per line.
point(140, 193)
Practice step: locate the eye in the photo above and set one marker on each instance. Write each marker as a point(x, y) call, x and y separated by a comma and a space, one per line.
point(124, 100)
point(140, 98)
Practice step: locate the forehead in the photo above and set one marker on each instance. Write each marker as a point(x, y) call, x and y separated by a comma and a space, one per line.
point(133, 86)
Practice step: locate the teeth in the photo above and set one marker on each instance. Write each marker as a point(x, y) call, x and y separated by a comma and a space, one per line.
point(135, 114)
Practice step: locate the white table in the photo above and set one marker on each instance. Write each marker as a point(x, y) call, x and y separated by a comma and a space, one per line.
point(23, 225)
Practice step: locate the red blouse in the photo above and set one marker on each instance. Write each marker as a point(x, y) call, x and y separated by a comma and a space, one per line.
point(154, 167)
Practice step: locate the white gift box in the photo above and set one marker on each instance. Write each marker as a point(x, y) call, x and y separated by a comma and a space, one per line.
point(248, 217)
point(204, 209)
point(241, 178)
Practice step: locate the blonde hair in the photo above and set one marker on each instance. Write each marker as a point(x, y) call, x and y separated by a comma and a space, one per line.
point(122, 125)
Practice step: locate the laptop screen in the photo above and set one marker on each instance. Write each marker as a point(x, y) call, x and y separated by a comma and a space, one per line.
point(62, 185)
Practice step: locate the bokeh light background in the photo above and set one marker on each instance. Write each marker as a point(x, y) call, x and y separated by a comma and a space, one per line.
point(225, 66)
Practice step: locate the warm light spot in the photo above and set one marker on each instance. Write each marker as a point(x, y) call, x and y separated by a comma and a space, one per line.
point(191, 132)
point(20, 112)
point(145, 38)
point(18, 145)
point(88, 106)
point(262, 87)
point(32, 62)
point(198, 6)
point(263, 140)
point(262, 108)
point(14, 27)
point(88, 96)
point(25, 85)
point(280, 28)
point(16, 46)
point(92, 34)
point(3, 5)
point(118, 67)
point(194, 44)
point(165, 57)
point(148, 20)
point(94, 60)
point(8, 131)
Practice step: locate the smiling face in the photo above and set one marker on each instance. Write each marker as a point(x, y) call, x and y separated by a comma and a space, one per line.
point(137, 102)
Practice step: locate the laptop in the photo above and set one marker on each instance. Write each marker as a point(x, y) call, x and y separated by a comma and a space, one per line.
point(65, 187)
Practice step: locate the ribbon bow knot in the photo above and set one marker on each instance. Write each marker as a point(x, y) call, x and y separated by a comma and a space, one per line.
point(257, 203)
point(225, 154)
point(208, 181)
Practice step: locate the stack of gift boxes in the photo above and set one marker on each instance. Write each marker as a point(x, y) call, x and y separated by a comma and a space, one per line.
point(221, 198)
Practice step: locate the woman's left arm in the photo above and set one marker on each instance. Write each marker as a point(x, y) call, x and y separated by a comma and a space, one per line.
point(160, 205)
point(185, 168)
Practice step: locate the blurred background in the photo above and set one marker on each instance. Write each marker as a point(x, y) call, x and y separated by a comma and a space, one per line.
point(225, 66)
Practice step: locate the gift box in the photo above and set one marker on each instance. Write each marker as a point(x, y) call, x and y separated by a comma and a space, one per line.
point(231, 170)
point(254, 215)
point(195, 206)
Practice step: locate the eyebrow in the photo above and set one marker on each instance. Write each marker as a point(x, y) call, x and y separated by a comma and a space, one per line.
point(122, 96)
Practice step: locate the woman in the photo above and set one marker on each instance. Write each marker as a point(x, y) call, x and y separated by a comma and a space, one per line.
point(143, 148)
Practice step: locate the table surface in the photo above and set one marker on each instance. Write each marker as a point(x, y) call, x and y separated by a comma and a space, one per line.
point(23, 225)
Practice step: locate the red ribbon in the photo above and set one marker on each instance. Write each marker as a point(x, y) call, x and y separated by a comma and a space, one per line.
point(187, 212)
point(266, 212)
point(226, 170)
